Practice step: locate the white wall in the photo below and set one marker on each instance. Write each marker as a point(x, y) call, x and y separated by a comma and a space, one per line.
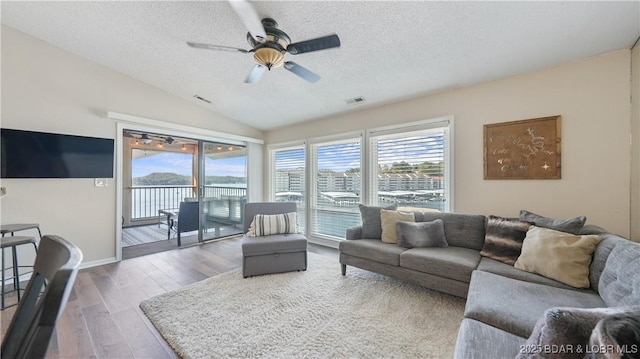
point(635, 142)
point(45, 88)
point(592, 96)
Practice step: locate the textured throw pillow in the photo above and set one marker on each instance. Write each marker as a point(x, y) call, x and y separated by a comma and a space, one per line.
point(503, 239)
point(388, 219)
point(619, 333)
point(371, 226)
point(570, 225)
point(268, 224)
point(567, 328)
point(558, 255)
point(421, 234)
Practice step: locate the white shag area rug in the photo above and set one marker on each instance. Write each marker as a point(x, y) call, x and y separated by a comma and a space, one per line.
point(313, 314)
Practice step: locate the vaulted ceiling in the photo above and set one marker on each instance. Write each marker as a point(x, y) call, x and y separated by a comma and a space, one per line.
point(389, 50)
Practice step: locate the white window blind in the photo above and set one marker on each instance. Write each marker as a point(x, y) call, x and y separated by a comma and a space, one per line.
point(410, 168)
point(335, 186)
point(288, 178)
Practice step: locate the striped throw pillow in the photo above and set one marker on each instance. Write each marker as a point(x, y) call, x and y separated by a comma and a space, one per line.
point(268, 224)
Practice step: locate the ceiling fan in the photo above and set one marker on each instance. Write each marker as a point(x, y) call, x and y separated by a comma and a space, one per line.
point(269, 44)
point(146, 139)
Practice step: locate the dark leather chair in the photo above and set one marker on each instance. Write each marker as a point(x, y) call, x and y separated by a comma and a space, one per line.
point(45, 297)
point(187, 220)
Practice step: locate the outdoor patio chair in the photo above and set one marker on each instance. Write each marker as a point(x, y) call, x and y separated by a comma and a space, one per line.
point(187, 219)
point(45, 297)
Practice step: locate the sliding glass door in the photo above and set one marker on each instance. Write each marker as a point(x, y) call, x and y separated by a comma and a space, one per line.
point(222, 189)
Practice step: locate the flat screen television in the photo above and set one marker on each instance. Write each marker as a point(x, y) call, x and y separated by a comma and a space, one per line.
point(28, 154)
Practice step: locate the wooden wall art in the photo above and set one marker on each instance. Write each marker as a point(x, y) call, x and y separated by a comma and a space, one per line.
point(527, 149)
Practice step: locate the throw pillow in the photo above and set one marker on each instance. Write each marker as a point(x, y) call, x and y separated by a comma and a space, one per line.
point(268, 224)
point(421, 234)
point(371, 226)
point(503, 239)
point(558, 255)
point(571, 225)
point(619, 334)
point(388, 219)
point(568, 328)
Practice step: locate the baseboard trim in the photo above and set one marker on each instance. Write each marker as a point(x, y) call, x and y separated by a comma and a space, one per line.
point(98, 262)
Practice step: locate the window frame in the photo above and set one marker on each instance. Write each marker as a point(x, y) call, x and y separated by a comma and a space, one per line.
point(366, 158)
point(313, 175)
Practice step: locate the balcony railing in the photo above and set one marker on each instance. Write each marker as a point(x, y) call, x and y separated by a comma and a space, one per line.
point(222, 202)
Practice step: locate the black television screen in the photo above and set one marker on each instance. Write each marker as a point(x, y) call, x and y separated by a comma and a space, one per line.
point(28, 154)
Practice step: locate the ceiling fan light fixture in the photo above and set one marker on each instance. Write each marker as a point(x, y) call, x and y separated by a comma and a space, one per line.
point(269, 57)
point(145, 139)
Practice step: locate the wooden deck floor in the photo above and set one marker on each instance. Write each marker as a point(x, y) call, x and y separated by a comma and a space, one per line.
point(102, 318)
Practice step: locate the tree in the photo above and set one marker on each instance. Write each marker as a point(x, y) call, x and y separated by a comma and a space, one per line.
point(433, 169)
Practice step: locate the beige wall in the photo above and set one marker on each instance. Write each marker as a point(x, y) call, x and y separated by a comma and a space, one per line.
point(47, 89)
point(635, 142)
point(593, 98)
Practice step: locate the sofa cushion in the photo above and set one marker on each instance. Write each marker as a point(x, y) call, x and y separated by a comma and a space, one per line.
point(277, 243)
point(558, 255)
point(423, 234)
point(515, 306)
point(503, 238)
point(505, 270)
point(450, 262)
point(569, 327)
point(388, 220)
point(461, 230)
point(570, 225)
point(373, 249)
point(477, 340)
point(371, 225)
point(620, 283)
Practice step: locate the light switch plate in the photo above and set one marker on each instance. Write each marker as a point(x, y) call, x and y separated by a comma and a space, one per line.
point(101, 182)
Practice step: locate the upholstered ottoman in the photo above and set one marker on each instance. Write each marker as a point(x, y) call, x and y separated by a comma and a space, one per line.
point(274, 253)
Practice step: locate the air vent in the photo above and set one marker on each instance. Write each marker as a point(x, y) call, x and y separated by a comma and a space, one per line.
point(201, 98)
point(355, 101)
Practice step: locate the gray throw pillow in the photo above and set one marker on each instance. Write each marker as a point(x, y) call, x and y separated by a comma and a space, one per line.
point(567, 328)
point(371, 223)
point(503, 239)
point(569, 225)
point(421, 234)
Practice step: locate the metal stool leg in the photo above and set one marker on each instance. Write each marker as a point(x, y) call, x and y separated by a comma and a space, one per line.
point(16, 271)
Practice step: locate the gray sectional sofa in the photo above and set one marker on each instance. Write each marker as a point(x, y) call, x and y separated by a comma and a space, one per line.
point(503, 303)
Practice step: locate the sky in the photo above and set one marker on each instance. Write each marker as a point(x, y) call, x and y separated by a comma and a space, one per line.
point(181, 163)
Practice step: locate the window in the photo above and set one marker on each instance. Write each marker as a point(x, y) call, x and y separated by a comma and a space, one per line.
point(335, 186)
point(288, 178)
point(409, 165)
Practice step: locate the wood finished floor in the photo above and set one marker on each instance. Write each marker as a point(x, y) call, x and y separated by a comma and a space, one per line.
point(102, 318)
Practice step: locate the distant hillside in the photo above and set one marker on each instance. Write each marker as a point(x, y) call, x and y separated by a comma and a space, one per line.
point(174, 179)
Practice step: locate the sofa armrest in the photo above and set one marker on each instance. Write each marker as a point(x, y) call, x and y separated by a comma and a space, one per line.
point(354, 233)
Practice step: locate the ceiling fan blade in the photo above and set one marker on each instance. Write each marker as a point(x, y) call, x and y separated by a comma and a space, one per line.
point(301, 71)
point(320, 43)
point(250, 18)
point(198, 45)
point(255, 74)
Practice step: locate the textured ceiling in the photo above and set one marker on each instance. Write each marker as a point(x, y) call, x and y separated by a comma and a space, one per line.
point(390, 50)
